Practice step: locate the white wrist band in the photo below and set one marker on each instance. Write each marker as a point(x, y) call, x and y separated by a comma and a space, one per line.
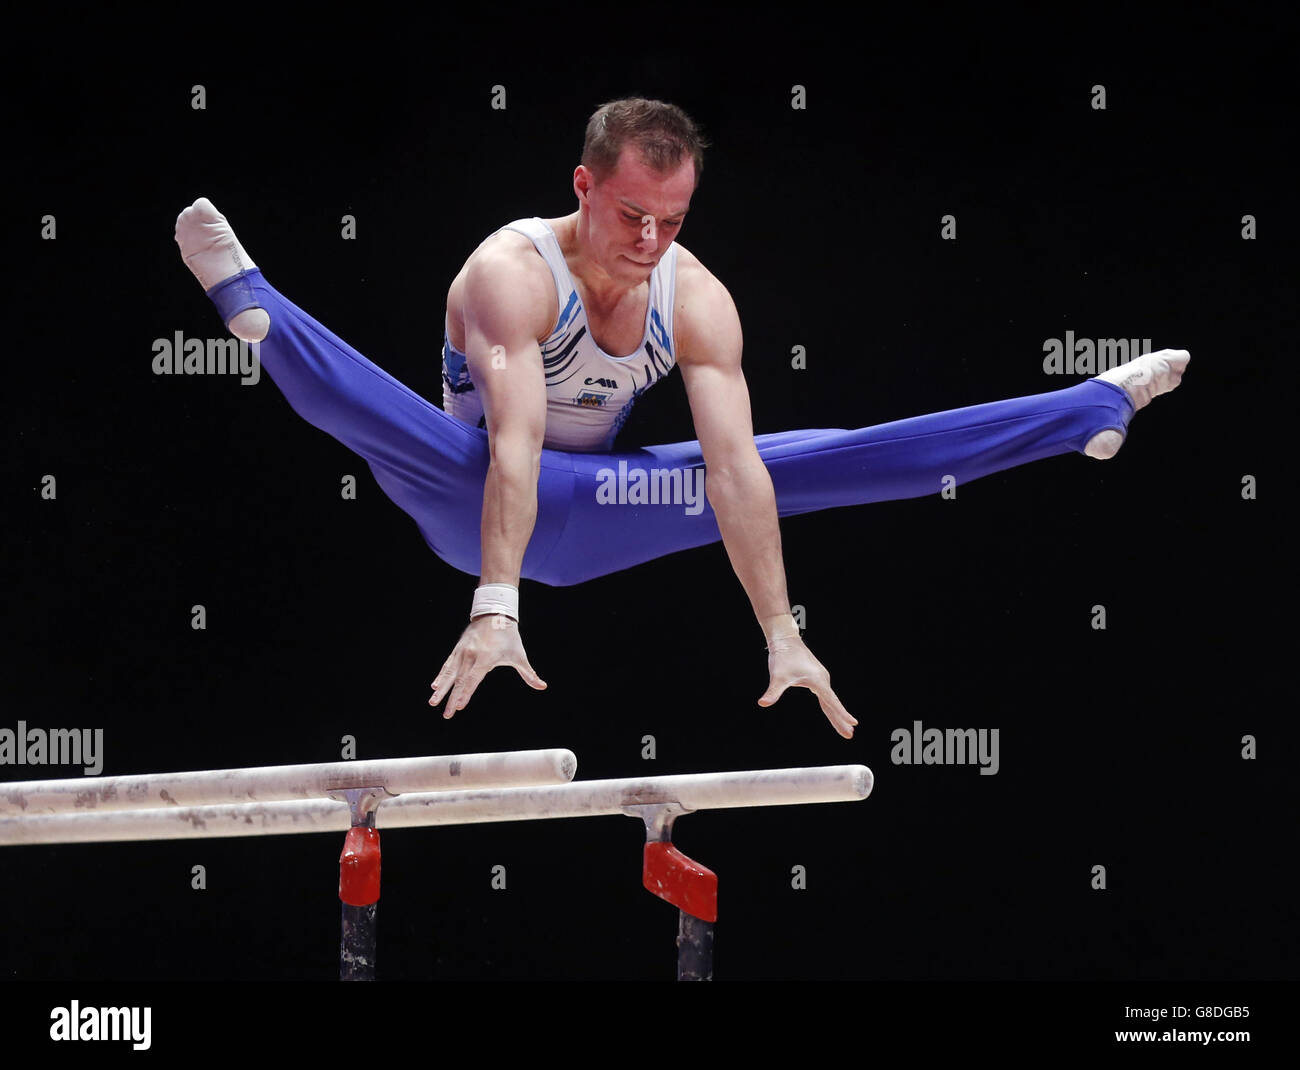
point(496, 598)
point(785, 624)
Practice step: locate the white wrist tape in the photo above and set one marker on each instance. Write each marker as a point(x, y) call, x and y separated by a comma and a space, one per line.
point(783, 627)
point(496, 598)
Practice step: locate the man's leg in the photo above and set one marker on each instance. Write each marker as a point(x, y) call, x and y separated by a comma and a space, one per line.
point(428, 462)
point(813, 470)
point(433, 465)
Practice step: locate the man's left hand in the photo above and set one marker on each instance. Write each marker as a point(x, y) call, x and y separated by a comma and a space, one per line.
point(791, 664)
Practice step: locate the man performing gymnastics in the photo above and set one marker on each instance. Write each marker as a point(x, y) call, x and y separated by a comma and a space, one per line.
point(512, 480)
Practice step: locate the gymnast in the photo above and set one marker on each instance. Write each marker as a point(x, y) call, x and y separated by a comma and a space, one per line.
point(553, 329)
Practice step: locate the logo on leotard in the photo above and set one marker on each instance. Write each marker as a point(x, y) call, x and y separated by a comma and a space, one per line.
point(601, 382)
point(591, 399)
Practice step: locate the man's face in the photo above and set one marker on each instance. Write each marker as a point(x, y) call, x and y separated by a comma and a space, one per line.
point(635, 213)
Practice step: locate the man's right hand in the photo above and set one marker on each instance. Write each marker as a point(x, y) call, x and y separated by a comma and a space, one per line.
point(488, 642)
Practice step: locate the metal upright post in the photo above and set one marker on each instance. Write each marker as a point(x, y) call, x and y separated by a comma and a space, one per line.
point(359, 885)
point(694, 948)
point(689, 886)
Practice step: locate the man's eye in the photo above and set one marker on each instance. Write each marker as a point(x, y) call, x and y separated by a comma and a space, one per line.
point(662, 222)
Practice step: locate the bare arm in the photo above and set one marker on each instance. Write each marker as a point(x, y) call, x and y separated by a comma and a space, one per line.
point(737, 483)
point(505, 363)
point(739, 487)
point(504, 301)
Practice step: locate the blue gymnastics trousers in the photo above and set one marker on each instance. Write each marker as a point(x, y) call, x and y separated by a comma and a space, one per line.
point(433, 465)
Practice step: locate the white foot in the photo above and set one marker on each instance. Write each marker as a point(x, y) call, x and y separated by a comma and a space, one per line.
point(213, 253)
point(1147, 377)
point(1104, 445)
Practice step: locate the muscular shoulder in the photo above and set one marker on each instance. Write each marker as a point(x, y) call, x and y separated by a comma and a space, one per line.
point(706, 326)
point(506, 283)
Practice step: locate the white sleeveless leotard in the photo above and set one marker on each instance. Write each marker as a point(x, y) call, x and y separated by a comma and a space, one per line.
point(589, 393)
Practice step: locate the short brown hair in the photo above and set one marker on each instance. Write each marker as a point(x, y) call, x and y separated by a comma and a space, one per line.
point(663, 134)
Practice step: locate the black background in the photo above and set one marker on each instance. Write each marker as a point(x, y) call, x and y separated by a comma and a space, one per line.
point(1119, 748)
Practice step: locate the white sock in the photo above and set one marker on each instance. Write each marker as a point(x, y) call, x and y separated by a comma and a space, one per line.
point(1150, 375)
point(1104, 445)
point(213, 253)
point(1147, 377)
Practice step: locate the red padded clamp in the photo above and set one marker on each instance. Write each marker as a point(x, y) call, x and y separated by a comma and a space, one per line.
point(359, 867)
point(686, 884)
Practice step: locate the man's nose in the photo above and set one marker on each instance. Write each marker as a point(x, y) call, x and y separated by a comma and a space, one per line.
point(649, 234)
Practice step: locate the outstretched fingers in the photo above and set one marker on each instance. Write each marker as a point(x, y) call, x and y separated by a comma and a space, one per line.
point(840, 718)
point(795, 666)
point(482, 647)
point(467, 681)
point(529, 675)
point(458, 678)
